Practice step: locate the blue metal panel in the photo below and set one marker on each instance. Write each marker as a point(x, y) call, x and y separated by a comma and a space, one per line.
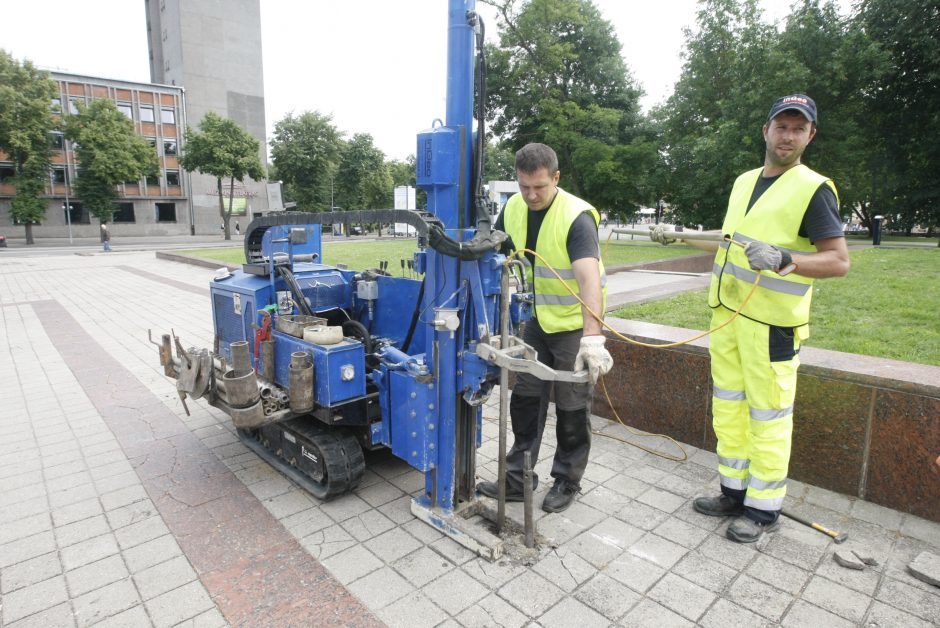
point(235, 302)
point(329, 385)
point(275, 240)
point(414, 418)
point(339, 372)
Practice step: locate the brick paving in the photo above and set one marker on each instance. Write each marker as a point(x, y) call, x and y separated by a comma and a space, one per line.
point(117, 509)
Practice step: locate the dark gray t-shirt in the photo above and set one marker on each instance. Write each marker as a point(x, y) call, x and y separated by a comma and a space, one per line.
point(821, 220)
point(582, 241)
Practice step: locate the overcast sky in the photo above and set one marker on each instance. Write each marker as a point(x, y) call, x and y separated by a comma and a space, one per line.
point(378, 67)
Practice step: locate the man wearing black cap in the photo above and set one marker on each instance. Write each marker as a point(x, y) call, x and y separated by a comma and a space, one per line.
point(782, 224)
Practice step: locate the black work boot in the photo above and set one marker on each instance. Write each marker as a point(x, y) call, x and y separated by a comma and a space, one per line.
point(491, 489)
point(745, 530)
point(560, 496)
point(720, 506)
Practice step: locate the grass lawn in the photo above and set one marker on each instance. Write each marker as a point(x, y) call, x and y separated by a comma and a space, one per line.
point(887, 306)
point(361, 254)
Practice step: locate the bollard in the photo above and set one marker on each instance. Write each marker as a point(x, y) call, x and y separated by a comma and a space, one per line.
point(876, 230)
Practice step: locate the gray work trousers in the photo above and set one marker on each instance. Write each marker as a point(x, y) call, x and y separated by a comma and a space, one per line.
point(528, 408)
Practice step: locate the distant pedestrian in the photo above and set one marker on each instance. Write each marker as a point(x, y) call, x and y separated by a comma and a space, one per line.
point(105, 238)
point(222, 228)
point(238, 229)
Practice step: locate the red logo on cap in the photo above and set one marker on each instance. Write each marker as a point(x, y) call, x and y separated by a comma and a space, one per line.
point(802, 101)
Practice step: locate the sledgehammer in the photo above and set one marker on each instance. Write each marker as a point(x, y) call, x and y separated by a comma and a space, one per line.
point(838, 537)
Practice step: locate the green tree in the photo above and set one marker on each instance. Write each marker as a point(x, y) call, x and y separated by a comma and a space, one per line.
point(362, 180)
point(711, 125)
point(306, 150)
point(110, 152)
point(500, 164)
point(904, 108)
point(833, 60)
point(223, 149)
point(25, 121)
point(557, 76)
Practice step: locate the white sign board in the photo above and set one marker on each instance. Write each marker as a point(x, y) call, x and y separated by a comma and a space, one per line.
point(405, 199)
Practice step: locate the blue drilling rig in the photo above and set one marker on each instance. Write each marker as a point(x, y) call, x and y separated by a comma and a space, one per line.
point(316, 363)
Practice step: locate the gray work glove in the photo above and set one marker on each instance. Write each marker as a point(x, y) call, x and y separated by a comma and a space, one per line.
point(658, 234)
point(763, 256)
point(593, 357)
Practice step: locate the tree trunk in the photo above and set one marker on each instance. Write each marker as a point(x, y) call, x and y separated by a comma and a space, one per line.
point(29, 233)
point(226, 233)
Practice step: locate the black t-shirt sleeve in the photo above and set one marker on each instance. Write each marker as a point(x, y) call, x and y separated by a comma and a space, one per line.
point(822, 219)
point(582, 238)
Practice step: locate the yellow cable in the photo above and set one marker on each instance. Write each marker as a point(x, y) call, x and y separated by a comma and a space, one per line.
point(641, 344)
point(600, 319)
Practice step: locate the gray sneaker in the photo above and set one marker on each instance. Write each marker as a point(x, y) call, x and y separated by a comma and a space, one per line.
point(720, 506)
point(744, 530)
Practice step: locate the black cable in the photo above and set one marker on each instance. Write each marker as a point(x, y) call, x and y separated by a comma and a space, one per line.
point(406, 344)
point(299, 297)
point(363, 333)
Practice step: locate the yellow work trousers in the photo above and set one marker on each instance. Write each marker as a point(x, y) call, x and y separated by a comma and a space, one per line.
point(753, 369)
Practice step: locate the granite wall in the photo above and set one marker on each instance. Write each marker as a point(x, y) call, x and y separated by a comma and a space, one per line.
point(863, 426)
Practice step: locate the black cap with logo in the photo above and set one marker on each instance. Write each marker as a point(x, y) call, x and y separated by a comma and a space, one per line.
point(797, 102)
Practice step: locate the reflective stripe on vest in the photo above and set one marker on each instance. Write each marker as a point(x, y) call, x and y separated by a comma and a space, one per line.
point(775, 218)
point(555, 307)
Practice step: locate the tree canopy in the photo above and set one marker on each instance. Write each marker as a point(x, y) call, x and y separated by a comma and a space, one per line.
point(557, 76)
point(222, 149)
point(362, 180)
point(306, 150)
point(26, 118)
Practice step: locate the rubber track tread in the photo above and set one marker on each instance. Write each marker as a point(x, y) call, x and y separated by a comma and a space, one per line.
point(342, 456)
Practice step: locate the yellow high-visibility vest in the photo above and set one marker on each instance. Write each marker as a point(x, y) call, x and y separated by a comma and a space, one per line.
point(555, 308)
point(775, 219)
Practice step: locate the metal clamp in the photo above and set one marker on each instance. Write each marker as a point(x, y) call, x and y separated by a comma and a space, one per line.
point(489, 350)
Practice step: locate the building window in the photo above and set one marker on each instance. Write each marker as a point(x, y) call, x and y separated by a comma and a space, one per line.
point(75, 214)
point(146, 113)
point(123, 213)
point(167, 116)
point(169, 147)
point(56, 141)
point(59, 175)
point(126, 109)
point(7, 173)
point(153, 181)
point(73, 104)
point(152, 141)
point(173, 177)
point(56, 105)
point(166, 212)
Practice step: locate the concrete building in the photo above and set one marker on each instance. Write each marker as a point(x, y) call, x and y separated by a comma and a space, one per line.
point(213, 50)
point(204, 56)
point(152, 206)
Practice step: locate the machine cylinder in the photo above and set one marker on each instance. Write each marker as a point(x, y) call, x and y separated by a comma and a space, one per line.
point(267, 360)
point(241, 358)
point(240, 388)
point(301, 382)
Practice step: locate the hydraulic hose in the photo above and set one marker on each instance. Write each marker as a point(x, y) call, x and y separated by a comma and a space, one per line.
point(362, 332)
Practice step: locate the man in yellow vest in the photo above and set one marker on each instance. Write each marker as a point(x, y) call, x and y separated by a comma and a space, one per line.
point(783, 222)
point(562, 229)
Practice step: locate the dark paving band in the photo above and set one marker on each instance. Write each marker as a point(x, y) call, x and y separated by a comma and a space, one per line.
point(253, 568)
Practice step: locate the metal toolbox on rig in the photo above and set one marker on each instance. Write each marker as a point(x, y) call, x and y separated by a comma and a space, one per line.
point(338, 370)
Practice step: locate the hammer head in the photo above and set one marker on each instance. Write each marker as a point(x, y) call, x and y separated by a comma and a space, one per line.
point(841, 537)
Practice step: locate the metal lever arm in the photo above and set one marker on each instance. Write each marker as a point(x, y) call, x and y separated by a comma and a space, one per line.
point(489, 350)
